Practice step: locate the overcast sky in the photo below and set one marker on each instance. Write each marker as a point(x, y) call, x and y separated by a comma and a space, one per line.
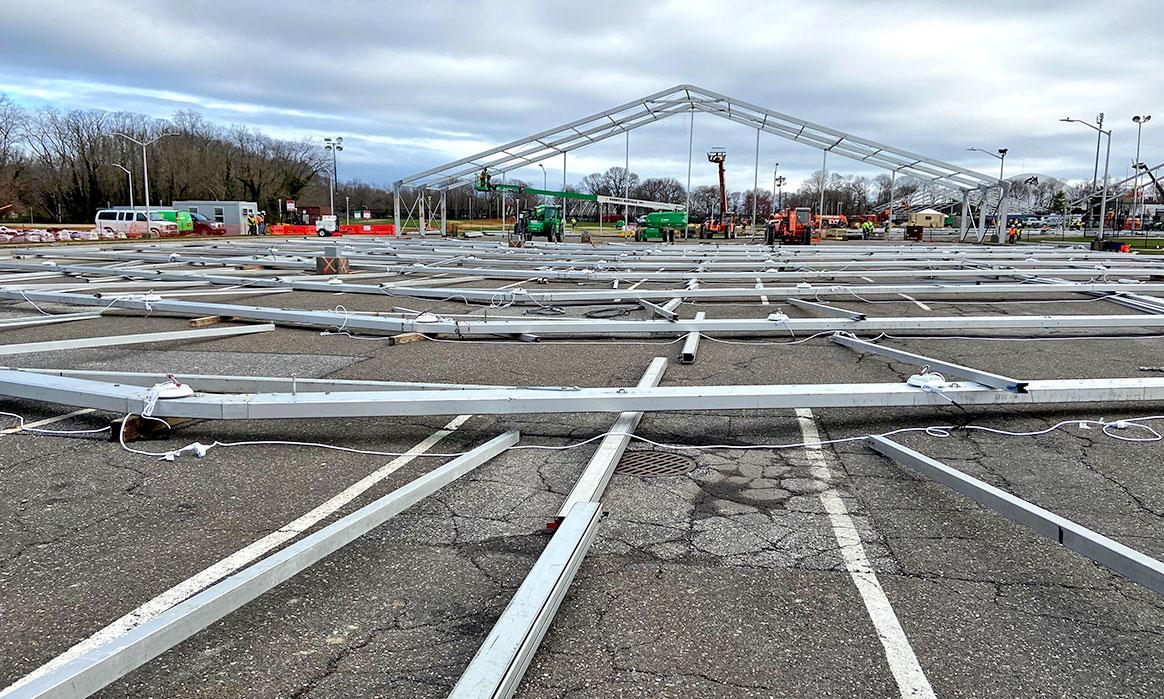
point(412, 85)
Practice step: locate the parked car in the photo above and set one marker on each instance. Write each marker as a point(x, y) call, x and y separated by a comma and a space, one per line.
point(204, 226)
point(133, 224)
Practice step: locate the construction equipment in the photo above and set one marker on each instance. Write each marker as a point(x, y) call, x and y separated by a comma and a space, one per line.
point(484, 183)
point(791, 226)
point(721, 222)
point(661, 225)
point(1157, 224)
point(543, 219)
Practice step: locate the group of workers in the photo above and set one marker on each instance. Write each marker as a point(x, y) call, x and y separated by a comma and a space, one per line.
point(1015, 231)
point(257, 223)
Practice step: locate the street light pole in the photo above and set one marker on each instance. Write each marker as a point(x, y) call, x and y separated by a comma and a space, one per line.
point(1001, 170)
point(145, 168)
point(333, 145)
point(780, 191)
point(774, 169)
point(1094, 181)
point(129, 178)
point(1138, 210)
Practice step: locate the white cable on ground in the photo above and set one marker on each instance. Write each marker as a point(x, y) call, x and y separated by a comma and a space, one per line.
point(941, 431)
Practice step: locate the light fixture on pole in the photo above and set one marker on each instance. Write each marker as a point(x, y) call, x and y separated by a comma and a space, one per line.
point(775, 168)
point(129, 178)
point(1138, 211)
point(1001, 155)
point(780, 191)
point(545, 182)
point(145, 168)
point(334, 146)
point(1098, 126)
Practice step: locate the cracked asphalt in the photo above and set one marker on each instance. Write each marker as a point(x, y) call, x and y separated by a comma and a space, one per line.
point(727, 581)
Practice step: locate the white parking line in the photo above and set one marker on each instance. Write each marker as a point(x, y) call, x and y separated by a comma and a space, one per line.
point(237, 560)
point(911, 681)
point(919, 303)
point(48, 420)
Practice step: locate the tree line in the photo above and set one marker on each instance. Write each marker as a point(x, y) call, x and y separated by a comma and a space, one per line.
point(61, 166)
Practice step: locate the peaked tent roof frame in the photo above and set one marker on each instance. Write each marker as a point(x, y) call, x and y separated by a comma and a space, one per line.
point(681, 99)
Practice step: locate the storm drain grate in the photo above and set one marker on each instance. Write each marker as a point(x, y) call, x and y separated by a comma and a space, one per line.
point(655, 463)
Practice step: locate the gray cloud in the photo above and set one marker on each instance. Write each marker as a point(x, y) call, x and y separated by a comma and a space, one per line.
point(411, 85)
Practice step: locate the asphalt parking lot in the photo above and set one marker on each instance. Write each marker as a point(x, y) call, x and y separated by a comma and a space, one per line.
point(726, 581)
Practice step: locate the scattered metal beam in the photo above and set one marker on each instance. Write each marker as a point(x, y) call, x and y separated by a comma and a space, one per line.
point(214, 383)
point(121, 398)
point(691, 344)
point(1128, 562)
point(119, 340)
point(497, 668)
point(592, 483)
point(963, 372)
point(661, 311)
point(111, 661)
point(825, 309)
point(29, 321)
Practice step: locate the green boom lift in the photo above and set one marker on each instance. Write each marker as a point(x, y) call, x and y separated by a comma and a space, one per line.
point(546, 219)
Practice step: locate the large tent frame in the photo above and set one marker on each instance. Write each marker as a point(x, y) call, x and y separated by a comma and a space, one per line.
point(690, 99)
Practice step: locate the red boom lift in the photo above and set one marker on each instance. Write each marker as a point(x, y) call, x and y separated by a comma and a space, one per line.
point(723, 222)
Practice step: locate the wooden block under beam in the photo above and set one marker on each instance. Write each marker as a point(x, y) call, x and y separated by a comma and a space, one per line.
point(138, 427)
point(205, 321)
point(405, 338)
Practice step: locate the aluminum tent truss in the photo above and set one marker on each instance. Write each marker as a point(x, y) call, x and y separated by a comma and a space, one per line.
point(690, 99)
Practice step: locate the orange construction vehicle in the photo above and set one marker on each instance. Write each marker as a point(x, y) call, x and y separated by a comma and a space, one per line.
point(790, 227)
point(831, 221)
point(721, 222)
point(856, 221)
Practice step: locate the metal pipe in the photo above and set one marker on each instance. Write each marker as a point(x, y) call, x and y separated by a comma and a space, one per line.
point(498, 666)
point(691, 344)
point(1128, 562)
point(755, 183)
point(1103, 204)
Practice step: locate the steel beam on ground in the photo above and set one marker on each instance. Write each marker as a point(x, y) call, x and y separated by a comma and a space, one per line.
point(691, 343)
point(119, 340)
point(963, 372)
point(496, 670)
point(213, 383)
point(1128, 562)
point(29, 321)
point(825, 309)
point(120, 398)
point(596, 327)
point(592, 483)
point(661, 311)
point(124, 653)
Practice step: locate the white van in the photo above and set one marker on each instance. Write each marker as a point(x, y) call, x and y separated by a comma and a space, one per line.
point(133, 223)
